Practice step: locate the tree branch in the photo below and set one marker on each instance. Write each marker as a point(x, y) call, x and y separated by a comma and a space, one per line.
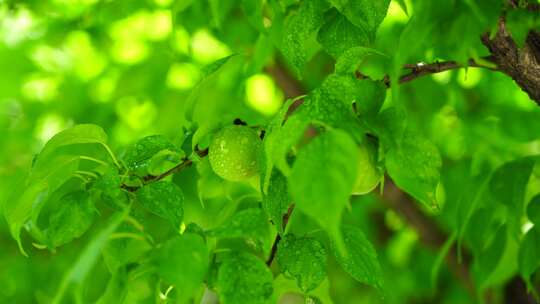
point(152, 178)
point(533, 7)
point(422, 69)
point(522, 65)
point(278, 237)
point(430, 233)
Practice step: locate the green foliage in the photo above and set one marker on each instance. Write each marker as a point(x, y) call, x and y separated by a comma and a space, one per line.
point(183, 261)
point(251, 224)
point(303, 258)
point(533, 210)
point(528, 253)
point(415, 167)
point(297, 30)
point(243, 278)
point(138, 158)
point(365, 14)
point(73, 217)
point(359, 259)
point(322, 178)
point(237, 152)
point(233, 153)
point(277, 200)
point(508, 185)
point(164, 199)
point(338, 35)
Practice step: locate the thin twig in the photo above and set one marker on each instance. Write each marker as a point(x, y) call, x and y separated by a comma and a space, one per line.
point(278, 237)
point(152, 178)
point(422, 69)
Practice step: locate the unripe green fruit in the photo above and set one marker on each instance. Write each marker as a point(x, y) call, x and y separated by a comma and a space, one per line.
point(369, 175)
point(234, 153)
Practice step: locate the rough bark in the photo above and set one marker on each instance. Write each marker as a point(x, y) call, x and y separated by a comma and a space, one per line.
point(521, 64)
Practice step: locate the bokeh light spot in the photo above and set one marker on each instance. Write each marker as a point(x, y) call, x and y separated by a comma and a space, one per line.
point(443, 77)
point(87, 61)
point(206, 48)
point(183, 76)
point(263, 95)
point(137, 114)
point(40, 87)
point(48, 125)
point(129, 51)
point(469, 77)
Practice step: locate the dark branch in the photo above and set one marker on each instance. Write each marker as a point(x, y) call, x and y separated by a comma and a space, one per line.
point(533, 7)
point(152, 178)
point(422, 69)
point(522, 65)
point(278, 237)
point(397, 200)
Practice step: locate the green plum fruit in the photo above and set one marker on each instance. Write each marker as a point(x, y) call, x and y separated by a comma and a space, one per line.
point(369, 174)
point(234, 152)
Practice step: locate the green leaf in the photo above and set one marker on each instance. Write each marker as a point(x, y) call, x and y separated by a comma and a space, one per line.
point(279, 139)
point(277, 200)
point(108, 189)
point(322, 178)
point(283, 286)
point(303, 258)
point(164, 199)
point(367, 95)
point(371, 97)
point(26, 201)
point(508, 185)
point(254, 13)
point(138, 156)
point(244, 278)
point(89, 256)
point(78, 134)
point(128, 245)
point(529, 253)
point(443, 252)
point(331, 104)
point(251, 224)
point(338, 35)
point(489, 258)
point(533, 210)
point(299, 27)
point(18, 211)
point(390, 125)
point(165, 160)
point(72, 219)
point(360, 259)
point(520, 22)
point(365, 14)
point(219, 9)
point(117, 288)
point(349, 60)
point(415, 167)
point(403, 5)
point(208, 70)
point(184, 261)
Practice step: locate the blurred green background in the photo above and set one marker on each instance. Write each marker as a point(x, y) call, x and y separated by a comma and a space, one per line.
point(129, 67)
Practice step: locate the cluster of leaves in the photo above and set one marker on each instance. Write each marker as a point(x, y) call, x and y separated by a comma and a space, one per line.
point(168, 224)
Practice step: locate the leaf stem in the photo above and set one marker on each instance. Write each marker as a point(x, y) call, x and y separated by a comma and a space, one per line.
point(94, 160)
point(87, 173)
point(153, 178)
point(111, 154)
